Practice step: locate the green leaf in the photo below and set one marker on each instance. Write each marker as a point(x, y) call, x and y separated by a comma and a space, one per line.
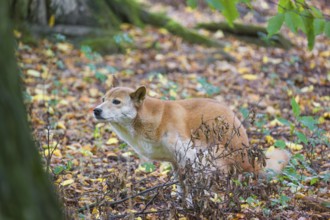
point(192, 3)
point(284, 121)
point(250, 200)
point(327, 29)
point(280, 143)
point(150, 167)
point(293, 21)
point(319, 24)
point(314, 180)
point(308, 29)
point(229, 10)
point(215, 4)
point(244, 111)
point(58, 169)
point(284, 5)
point(275, 24)
point(301, 136)
point(316, 12)
point(295, 107)
point(309, 122)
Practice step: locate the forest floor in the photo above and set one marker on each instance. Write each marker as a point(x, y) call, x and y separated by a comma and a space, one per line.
point(89, 164)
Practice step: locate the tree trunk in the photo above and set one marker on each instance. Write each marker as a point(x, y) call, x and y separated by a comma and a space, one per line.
point(98, 21)
point(25, 190)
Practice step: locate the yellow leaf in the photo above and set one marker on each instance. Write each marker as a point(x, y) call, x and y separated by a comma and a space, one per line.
point(244, 206)
point(165, 168)
point(40, 97)
point(275, 122)
point(60, 125)
point(34, 73)
point(294, 146)
point(127, 154)
point(243, 70)
point(17, 34)
point(270, 149)
point(57, 153)
point(152, 93)
point(112, 140)
point(265, 59)
point(325, 53)
point(64, 47)
point(51, 21)
point(173, 93)
point(95, 211)
point(67, 182)
point(254, 141)
point(326, 115)
point(250, 77)
point(269, 139)
point(163, 31)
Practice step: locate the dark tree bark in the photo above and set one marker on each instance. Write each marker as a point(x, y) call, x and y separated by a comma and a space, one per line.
point(25, 190)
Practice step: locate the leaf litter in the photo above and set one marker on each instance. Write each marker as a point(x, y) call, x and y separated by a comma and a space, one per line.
point(89, 164)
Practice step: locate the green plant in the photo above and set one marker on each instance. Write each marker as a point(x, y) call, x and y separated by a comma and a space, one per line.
point(208, 87)
point(282, 200)
point(61, 168)
point(149, 167)
point(94, 57)
point(296, 15)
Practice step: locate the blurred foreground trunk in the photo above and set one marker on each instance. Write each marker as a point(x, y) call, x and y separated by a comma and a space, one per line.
point(25, 190)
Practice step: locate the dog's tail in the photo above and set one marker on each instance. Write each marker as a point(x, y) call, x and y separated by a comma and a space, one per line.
point(277, 159)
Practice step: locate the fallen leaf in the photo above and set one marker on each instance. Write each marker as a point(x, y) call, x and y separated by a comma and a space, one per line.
point(67, 182)
point(112, 140)
point(33, 73)
point(60, 125)
point(294, 146)
point(250, 77)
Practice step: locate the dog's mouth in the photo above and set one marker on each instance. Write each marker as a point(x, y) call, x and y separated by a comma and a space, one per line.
point(100, 118)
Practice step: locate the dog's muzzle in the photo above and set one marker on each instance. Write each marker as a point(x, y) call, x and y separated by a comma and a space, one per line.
point(97, 113)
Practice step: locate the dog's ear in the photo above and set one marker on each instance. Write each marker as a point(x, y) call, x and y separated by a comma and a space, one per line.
point(115, 81)
point(139, 95)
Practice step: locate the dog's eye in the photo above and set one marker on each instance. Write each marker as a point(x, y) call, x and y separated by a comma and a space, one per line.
point(116, 102)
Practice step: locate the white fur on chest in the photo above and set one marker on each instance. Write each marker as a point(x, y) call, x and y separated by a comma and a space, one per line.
point(171, 147)
point(147, 148)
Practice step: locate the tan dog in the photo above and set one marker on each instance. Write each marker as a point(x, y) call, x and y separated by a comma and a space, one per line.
point(163, 130)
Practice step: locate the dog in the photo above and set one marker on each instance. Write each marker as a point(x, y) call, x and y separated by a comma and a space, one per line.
point(164, 130)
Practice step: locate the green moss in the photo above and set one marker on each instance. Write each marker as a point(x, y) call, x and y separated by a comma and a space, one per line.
point(105, 45)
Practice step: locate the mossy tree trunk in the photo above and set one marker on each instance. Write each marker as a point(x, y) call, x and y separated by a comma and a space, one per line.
point(25, 189)
point(250, 33)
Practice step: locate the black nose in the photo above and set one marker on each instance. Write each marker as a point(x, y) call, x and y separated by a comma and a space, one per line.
point(97, 111)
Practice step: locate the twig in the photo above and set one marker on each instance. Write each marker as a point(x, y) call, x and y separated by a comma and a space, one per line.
point(139, 213)
point(101, 203)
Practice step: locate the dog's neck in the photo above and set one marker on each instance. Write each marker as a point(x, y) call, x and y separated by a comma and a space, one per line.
point(145, 123)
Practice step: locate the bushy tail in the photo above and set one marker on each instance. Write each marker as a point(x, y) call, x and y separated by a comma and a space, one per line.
point(277, 159)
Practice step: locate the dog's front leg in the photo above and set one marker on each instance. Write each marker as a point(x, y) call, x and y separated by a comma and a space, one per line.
point(181, 188)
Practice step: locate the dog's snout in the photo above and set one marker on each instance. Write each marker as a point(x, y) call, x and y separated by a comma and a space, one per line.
point(97, 111)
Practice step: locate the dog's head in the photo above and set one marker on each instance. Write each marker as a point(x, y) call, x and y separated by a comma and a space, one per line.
point(120, 104)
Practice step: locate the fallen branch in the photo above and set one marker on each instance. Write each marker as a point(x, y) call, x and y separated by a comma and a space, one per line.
point(250, 33)
point(318, 204)
point(103, 202)
point(138, 213)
